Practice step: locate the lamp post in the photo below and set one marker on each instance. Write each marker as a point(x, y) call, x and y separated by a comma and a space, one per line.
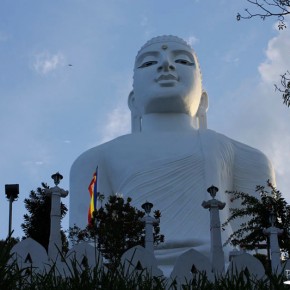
point(273, 233)
point(214, 206)
point(56, 194)
point(149, 222)
point(12, 192)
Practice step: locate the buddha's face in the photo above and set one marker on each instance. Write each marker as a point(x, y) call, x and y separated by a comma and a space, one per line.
point(166, 79)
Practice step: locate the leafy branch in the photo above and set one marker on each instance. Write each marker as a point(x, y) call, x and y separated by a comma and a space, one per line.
point(285, 89)
point(116, 227)
point(268, 8)
point(253, 215)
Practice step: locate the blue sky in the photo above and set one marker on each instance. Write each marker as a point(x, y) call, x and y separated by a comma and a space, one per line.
point(51, 112)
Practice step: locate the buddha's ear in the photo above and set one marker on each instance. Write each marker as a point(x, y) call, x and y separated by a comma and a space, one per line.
point(135, 114)
point(203, 105)
point(131, 101)
point(202, 109)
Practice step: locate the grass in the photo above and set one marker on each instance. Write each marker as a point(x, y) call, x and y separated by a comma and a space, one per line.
point(13, 278)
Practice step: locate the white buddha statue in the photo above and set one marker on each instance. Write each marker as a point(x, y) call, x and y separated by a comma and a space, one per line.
point(170, 158)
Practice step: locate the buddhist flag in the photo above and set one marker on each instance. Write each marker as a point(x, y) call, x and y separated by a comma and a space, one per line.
point(94, 195)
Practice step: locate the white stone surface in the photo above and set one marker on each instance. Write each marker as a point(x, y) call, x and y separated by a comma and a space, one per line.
point(29, 254)
point(166, 160)
point(273, 233)
point(285, 266)
point(216, 250)
point(55, 243)
point(243, 261)
point(149, 222)
point(84, 255)
point(140, 260)
point(186, 265)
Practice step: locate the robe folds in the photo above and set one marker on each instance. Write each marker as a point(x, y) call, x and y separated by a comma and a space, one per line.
point(172, 171)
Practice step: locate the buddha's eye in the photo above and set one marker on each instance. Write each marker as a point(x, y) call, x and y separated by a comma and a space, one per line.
point(184, 62)
point(147, 63)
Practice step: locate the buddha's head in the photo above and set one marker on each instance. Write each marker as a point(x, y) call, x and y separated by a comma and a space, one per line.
point(167, 78)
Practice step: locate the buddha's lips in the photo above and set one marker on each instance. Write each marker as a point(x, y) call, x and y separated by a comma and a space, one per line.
point(168, 77)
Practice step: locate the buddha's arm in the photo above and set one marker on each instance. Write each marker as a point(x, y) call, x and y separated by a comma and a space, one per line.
point(251, 168)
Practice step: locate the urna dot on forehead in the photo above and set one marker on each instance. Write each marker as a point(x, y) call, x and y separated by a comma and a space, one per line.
point(164, 40)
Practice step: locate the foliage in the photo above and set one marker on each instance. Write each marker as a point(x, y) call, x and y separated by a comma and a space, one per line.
point(285, 89)
point(76, 234)
point(272, 8)
point(37, 221)
point(254, 215)
point(268, 8)
point(9, 278)
point(92, 279)
point(118, 227)
point(9, 242)
point(265, 261)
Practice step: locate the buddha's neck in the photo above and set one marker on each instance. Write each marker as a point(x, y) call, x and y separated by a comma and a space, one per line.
point(166, 122)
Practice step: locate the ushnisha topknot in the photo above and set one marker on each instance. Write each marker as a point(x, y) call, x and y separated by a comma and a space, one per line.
point(170, 38)
point(165, 38)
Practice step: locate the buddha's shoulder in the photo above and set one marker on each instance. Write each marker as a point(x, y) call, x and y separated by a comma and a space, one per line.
point(243, 150)
point(245, 153)
point(239, 149)
point(134, 141)
point(103, 149)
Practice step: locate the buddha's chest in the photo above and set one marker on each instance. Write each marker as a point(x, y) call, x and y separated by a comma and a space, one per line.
point(138, 154)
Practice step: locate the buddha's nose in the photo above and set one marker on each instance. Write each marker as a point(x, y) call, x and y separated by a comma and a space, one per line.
point(166, 64)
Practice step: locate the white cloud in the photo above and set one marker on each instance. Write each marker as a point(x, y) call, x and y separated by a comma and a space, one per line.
point(258, 111)
point(230, 57)
point(192, 40)
point(45, 62)
point(278, 60)
point(118, 124)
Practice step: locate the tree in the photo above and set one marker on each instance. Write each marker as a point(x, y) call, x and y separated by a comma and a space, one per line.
point(254, 214)
point(8, 243)
point(272, 8)
point(116, 228)
point(285, 89)
point(268, 8)
point(37, 221)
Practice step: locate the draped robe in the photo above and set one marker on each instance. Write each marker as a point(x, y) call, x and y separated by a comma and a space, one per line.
point(172, 170)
